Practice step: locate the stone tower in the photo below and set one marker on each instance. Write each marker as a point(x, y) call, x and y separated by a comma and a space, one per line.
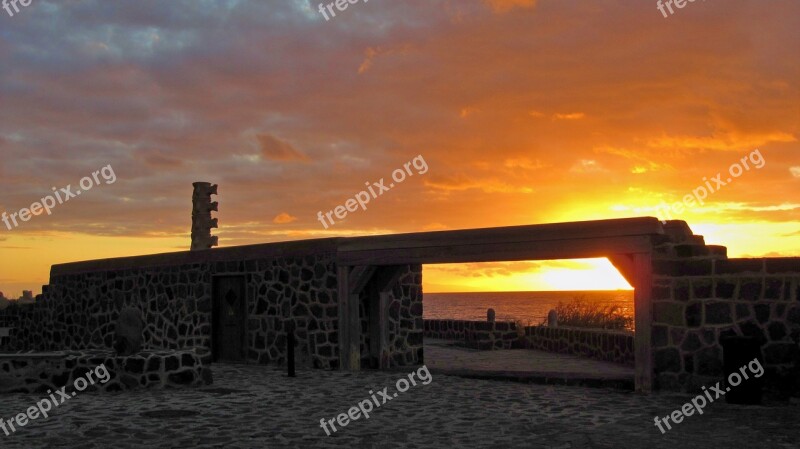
point(201, 216)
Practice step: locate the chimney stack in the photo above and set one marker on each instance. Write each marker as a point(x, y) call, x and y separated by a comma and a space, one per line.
point(201, 216)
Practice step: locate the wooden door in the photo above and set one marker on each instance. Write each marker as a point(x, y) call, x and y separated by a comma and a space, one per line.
point(228, 332)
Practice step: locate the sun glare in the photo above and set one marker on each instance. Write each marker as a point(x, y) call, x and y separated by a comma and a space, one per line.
point(580, 274)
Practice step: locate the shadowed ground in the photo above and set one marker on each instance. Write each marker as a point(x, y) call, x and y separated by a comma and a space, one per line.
point(259, 407)
point(525, 365)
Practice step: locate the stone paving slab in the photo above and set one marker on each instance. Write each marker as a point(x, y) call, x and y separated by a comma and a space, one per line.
point(445, 357)
point(259, 407)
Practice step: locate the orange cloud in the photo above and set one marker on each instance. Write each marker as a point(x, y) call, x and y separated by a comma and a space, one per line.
point(569, 116)
point(502, 6)
point(434, 227)
point(373, 52)
point(467, 111)
point(523, 163)
point(369, 54)
point(462, 183)
point(729, 141)
point(284, 218)
point(159, 159)
point(277, 150)
point(587, 166)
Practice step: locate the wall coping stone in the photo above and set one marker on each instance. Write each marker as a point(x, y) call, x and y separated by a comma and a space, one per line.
point(234, 253)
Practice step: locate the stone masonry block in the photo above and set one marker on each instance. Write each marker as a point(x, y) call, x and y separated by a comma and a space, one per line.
point(668, 312)
point(743, 311)
point(692, 342)
point(751, 289)
point(702, 288)
point(660, 336)
point(708, 361)
point(725, 288)
point(718, 313)
point(668, 360)
point(694, 314)
point(773, 288)
point(681, 290)
point(738, 266)
point(661, 293)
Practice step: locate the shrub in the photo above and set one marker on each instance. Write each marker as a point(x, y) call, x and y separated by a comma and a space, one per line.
point(581, 313)
point(520, 326)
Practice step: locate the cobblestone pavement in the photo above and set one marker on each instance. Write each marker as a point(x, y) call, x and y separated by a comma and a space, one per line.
point(258, 407)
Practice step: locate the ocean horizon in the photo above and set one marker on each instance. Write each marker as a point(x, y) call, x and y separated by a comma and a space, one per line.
point(528, 306)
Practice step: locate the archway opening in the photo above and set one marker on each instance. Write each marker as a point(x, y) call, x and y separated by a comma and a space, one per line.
point(522, 290)
point(591, 336)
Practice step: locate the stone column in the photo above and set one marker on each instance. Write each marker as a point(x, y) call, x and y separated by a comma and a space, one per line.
point(201, 216)
point(552, 318)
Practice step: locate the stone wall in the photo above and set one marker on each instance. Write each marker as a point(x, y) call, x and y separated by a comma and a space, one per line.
point(9, 319)
point(405, 321)
point(79, 311)
point(697, 303)
point(475, 334)
point(606, 345)
point(700, 297)
point(20, 318)
point(287, 281)
point(598, 344)
point(303, 289)
point(40, 372)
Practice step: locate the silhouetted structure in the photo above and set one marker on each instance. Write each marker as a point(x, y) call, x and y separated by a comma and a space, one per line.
point(201, 216)
point(357, 302)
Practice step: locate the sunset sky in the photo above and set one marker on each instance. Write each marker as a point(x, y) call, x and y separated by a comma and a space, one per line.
point(525, 112)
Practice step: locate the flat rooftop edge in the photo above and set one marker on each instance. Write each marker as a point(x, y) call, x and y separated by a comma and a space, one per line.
point(576, 230)
point(297, 248)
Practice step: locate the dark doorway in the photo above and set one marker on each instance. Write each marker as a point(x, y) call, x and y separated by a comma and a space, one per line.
point(228, 320)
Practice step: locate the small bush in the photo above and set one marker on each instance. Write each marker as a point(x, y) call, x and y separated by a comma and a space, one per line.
point(521, 325)
point(581, 313)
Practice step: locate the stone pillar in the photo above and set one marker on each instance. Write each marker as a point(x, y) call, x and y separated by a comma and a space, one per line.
point(201, 216)
point(552, 318)
point(490, 315)
point(685, 298)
